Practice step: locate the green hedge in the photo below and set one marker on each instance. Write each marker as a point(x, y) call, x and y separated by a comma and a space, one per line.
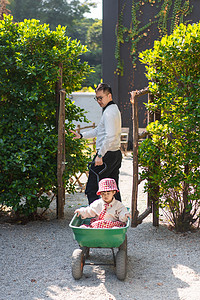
point(172, 68)
point(29, 57)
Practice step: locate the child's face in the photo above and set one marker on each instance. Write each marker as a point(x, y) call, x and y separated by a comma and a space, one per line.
point(108, 196)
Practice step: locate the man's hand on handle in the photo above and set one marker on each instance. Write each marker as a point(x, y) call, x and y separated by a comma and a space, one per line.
point(98, 161)
point(77, 135)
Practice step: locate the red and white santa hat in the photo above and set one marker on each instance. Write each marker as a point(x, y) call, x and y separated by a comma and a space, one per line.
point(107, 184)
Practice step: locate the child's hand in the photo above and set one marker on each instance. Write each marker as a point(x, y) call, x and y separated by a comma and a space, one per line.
point(128, 215)
point(77, 211)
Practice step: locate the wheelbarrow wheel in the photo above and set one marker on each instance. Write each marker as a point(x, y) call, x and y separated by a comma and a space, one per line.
point(121, 268)
point(123, 246)
point(77, 263)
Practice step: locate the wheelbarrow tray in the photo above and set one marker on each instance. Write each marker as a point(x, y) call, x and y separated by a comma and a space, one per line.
point(97, 237)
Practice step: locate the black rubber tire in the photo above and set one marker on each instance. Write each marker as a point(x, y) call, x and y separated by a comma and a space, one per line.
point(77, 263)
point(123, 246)
point(121, 264)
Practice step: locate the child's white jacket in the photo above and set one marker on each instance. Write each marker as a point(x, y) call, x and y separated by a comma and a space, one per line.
point(116, 211)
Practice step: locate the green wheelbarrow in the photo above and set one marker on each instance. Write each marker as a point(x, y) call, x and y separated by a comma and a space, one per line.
point(98, 238)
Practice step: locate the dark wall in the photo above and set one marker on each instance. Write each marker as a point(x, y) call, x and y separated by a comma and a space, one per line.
point(132, 79)
point(110, 19)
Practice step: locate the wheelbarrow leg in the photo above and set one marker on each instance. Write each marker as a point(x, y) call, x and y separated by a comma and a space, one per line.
point(114, 258)
point(86, 251)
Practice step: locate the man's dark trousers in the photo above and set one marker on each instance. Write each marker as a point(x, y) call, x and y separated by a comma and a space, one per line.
point(113, 160)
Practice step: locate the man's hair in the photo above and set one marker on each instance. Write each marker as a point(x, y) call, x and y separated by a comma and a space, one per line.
point(104, 87)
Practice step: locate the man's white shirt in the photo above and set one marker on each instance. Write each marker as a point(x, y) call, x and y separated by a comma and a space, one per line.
point(108, 131)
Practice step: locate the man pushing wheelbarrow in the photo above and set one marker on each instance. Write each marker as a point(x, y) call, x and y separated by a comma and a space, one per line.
point(108, 134)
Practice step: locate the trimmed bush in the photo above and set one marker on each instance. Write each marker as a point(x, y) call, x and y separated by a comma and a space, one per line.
point(174, 80)
point(30, 54)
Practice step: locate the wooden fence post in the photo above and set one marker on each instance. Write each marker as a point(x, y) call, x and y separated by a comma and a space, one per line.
point(135, 160)
point(61, 156)
point(78, 128)
point(150, 120)
point(153, 196)
point(94, 139)
point(57, 92)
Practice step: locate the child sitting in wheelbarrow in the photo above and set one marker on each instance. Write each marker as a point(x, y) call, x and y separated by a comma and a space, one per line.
point(106, 212)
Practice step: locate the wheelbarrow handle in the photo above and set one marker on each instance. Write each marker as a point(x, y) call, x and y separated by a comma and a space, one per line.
point(97, 174)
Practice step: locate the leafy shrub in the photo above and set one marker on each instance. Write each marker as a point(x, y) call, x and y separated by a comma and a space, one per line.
point(174, 79)
point(30, 54)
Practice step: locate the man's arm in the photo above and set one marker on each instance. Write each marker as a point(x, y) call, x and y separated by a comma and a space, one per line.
point(77, 135)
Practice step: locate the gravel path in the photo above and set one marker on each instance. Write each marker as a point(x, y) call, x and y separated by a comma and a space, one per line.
point(35, 259)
